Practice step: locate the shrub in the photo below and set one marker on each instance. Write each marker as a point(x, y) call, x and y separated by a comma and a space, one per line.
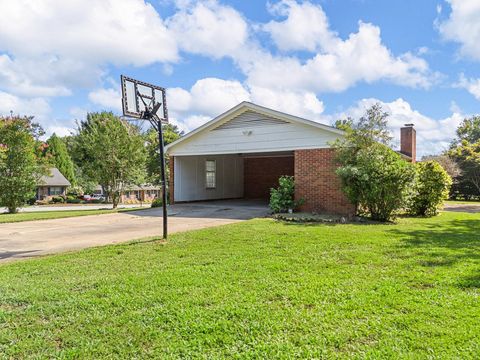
point(430, 188)
point(156, 203)
point(32, 201)
point(71, 200)
point(283, 198)
point(376, 179)
point(58, 199)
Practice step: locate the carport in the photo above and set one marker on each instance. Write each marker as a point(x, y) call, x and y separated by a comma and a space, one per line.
point(229, 176)
point(242, 153)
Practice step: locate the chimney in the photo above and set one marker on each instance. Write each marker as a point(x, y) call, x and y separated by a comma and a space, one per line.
point(408, 141)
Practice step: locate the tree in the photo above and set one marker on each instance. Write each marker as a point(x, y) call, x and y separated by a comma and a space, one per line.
point(465, 150)
point(170, 134)
point(430, 189)
point(374, 177)
point(20, 169)
point(57, 155)
point(447, 163)
point(111, 152)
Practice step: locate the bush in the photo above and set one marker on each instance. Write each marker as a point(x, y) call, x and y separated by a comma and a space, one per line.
point(58, 199)
point(283, 198)
point(157, 203)
point(376, 179)
point(430, 189)
point(71, 200)
point(32, 201)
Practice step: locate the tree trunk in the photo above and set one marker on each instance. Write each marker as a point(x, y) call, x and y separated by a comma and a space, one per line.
point(12, 210)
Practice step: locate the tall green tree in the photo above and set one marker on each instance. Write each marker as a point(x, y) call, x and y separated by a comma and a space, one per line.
point(57, 155)
point(111, 152)
point(170, 134)
point(465, 150)
point(374, 177)
point(20, 168)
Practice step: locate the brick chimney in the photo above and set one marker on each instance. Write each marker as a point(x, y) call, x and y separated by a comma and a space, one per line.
point(408, 141)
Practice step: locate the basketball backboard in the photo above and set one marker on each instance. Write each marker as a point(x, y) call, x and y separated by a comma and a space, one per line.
point(140, 99)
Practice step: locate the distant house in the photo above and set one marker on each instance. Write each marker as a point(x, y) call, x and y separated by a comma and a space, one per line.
point(135, 193)
point(141, 193)
point(54, 184)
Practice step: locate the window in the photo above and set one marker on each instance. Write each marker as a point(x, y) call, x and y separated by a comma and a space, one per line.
point(211, 174)
point(55, 190)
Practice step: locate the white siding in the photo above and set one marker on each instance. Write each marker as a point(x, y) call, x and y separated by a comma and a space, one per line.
point(254, 137)
point(189, 172)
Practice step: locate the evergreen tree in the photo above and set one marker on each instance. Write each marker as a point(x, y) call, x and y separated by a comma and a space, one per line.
point(57, 154)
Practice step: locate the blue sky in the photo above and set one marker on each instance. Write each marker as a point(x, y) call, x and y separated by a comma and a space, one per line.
point(318, 59)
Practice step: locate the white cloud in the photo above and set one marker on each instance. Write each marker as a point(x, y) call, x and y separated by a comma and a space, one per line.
point(471, 85)
point(433, 135)
point(463, 26)
point(107, 98)
point(209, 28)
point(54, 46)
point(302, 103)
point(117, 31)
point(306, 26)
point(337, 64)
point(37, 107)
point(210, 97)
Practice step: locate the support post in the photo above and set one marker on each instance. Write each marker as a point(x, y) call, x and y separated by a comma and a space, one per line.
point(163, 176)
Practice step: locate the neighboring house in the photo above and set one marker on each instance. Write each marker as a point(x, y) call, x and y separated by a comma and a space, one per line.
point(141, 193)
point(53, 184)
point(243, 152)
point(135, 193)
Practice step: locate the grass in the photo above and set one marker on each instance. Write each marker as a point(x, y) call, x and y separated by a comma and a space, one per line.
point(257, 289)
point(46, 215)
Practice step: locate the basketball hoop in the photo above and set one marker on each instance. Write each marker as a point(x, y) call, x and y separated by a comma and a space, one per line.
point(143, 101)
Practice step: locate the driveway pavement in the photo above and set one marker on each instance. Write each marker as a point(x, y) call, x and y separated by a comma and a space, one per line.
point(33, 238)
point(470, 208)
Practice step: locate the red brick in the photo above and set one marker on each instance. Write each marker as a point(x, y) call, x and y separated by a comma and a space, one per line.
point(317, 183)
point(262, 173)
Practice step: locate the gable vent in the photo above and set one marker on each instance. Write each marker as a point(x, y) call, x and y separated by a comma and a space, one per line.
point(250, 119)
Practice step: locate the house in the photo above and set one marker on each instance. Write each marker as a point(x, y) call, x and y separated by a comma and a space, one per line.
point(141, 193)
point(53, 184)
point(243, 152)
point(134, 193)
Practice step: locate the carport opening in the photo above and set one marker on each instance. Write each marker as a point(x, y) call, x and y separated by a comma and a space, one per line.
point(230, 176)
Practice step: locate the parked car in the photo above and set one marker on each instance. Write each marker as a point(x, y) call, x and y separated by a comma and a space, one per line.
point(97, 197)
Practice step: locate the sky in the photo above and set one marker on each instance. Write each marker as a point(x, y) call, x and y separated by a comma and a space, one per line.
point(321, 60)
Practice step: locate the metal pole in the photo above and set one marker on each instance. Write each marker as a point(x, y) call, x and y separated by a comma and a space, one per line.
point(164, 183)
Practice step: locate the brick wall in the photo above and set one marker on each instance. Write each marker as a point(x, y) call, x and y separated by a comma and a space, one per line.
point(171, 184)
point(261, 174)
point(317, 183)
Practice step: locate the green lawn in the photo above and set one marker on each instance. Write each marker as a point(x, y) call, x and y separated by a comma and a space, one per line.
point(45, 215)
point(258, 289)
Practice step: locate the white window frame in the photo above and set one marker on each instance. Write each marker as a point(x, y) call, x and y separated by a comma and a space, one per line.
point(214, 172)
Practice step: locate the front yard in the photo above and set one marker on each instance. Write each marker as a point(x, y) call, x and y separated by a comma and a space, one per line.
point(258, 289)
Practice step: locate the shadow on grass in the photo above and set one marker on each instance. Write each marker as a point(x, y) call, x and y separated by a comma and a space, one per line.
point(446, 244)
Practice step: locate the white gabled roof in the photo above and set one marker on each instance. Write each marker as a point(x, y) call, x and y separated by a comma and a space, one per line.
point(252, 117)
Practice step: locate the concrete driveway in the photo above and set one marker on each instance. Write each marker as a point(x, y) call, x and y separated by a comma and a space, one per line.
point(33, 238)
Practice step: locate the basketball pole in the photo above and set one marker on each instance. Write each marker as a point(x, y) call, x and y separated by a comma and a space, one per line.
point(164, 182)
